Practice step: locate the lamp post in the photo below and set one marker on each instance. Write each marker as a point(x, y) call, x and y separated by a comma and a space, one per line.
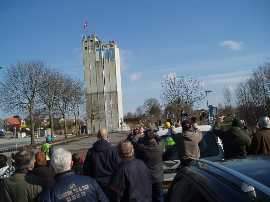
point(206, 95)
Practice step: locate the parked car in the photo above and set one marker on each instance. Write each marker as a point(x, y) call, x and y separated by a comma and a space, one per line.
point(210, 149)
point(238, 180)
point(2, 132)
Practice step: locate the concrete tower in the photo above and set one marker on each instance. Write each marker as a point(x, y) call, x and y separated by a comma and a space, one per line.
point(103, 90)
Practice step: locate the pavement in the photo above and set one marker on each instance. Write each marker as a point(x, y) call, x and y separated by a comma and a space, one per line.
point(85, 143)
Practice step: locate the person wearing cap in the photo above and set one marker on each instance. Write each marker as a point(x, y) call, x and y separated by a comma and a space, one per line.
point(22, 186)
point(235, 141)
point(188, 143)
point(101, 161)
point(260, 144)
point(132, 180)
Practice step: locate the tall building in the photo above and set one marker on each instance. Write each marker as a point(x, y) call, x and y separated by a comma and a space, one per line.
point(103, 90)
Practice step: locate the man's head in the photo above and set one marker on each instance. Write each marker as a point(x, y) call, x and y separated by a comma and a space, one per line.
point(102, 134)
point(236, 123)
point(41, 159)
point(126, 150)
point(61, 160)
point(24, 160)
point(264, 122)
point(186, 125)
point(150, 137)
point(76, 158)
point(3, 161)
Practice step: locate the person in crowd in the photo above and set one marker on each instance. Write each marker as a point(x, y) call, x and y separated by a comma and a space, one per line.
point(23, 185)
point(42, 170)
point(170, 148)
point(69, 186)
point(187, 143)
point(77, 166)
point(6, 170)
point(101, 160)
point(134, 136)
point(151, 154)
point(260, 144)
point(194, 123)
point(132, 180)
point(235, 141)
point(45, 148)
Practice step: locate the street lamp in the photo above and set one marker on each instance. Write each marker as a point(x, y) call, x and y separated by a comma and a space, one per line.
point(206, 95)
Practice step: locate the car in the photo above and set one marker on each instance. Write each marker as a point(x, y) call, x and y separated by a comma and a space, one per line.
point(238, 180)
point(210, 148)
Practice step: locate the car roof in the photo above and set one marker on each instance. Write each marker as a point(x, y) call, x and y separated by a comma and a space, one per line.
point(232, 171)
point(255, 167)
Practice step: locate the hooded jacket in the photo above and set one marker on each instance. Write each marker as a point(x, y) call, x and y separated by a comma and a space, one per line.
point(188, 144)
point(235, 142)
point(131, 182)
point(101, 162)
point(76, 188)
point(261, 142)
point(151, 154)
point(20, 187)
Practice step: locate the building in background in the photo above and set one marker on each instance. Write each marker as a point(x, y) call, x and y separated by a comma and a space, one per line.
point(103, 89)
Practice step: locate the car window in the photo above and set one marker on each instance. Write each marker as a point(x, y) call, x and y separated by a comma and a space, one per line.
point(186, 191)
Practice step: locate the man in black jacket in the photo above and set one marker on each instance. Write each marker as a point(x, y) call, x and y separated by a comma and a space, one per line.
point(101, 161)
point(151, 154)
point(235, 141)
point(132, 181)
point(68, 186)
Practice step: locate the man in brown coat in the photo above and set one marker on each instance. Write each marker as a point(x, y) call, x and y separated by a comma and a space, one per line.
point(188, 143)
point(261, 140)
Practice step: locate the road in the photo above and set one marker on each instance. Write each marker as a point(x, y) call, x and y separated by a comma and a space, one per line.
point(85, 143)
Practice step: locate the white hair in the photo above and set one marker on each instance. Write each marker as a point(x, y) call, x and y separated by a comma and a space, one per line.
point(61, 160)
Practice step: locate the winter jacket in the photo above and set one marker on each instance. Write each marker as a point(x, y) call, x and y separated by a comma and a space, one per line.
point(187, 144)
point(6, 172)
point(260, 143)
point(235, 142)
point(101, 162)
point(46, 174)
point(20, 187)
point(131, 182)
point(75, 188)
point(151, 154)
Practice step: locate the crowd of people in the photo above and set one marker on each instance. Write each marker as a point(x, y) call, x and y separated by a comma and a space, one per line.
point(132, 171)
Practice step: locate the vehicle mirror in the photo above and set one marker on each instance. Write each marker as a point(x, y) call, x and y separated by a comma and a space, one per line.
point(250, 190)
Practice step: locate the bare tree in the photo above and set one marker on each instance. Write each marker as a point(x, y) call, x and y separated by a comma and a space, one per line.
point(228, 97)
point(152, 108)
point(77, 99)
point(50, 92)
point(65, 99)
point(184, 92)
point(20, 88)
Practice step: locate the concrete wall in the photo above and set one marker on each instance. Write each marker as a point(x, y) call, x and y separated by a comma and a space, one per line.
point(102, 84)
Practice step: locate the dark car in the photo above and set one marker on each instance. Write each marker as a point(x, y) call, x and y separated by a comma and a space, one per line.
point(210, 148)
point(234, 180)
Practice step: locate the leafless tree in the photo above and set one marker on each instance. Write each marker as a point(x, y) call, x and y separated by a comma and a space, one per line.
point(228, 97)
point(20, 88)
point(153, 108)
point(65, 99)
point(50, 92)
point(77, 99)
point(184, 92)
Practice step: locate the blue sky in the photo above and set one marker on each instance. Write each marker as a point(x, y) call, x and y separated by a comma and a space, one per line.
point(218, 42)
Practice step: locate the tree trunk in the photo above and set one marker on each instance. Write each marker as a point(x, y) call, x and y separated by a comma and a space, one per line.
point(32, 127)
point(65, 126)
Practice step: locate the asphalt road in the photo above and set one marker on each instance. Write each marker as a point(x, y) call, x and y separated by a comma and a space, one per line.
point(85, 143)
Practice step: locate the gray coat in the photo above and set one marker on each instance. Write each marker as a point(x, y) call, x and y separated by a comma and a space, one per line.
point(187, 144)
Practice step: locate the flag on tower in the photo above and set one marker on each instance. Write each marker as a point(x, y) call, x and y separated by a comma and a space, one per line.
point(85, 25)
